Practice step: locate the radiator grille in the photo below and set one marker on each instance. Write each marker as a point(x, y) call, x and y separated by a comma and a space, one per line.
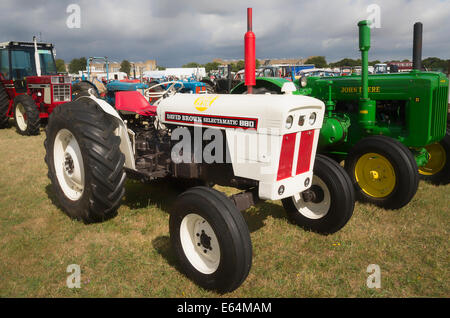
point(61, 93)
point(439, 115)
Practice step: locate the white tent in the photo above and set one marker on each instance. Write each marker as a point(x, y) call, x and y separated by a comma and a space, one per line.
point(179, 72)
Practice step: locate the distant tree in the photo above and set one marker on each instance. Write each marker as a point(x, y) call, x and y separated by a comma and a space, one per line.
point(125, 67)
point(406, 60)
point(257, 63)
point(318, 61)
point(76, 65)
point(191, 65)
point(435, 63)
point(346, 62)
point(211, 66)
point(160, 68)
point(372, 63)
point(60, 66)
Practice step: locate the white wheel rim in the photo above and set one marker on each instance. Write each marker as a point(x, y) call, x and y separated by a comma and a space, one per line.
point(199, 243)
point(68, 163)
point(310, 209)
point(20, 117)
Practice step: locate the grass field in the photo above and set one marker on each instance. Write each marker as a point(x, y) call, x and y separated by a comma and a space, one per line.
point(130, 255)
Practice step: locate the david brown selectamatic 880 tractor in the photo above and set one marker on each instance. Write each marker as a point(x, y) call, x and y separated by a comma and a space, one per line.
point(30, 87)
point(385, 126)
point(262, 145)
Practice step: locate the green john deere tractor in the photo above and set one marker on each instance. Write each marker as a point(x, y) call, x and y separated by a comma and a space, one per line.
point(388, 128)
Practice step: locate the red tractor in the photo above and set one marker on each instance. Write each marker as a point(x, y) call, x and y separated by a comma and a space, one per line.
point(30, 87)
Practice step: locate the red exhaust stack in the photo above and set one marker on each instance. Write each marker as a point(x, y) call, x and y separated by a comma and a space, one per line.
point(250, 56)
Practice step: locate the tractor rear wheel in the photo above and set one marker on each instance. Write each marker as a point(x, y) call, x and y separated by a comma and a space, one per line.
point(328, 204)
point(80, 89)
point(26, 115)
point(437, 170)
point(85, 164)
point(211, 239)
point(383, 172)
point(4, 106)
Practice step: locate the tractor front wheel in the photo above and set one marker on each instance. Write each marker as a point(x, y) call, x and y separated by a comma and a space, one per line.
point(211, 239)
point(328, 204)
point(85, 164)
point(437, 170)
point(383, 171)
point(26, 115)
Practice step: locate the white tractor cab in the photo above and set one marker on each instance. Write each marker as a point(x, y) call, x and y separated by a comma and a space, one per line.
point(263, 145)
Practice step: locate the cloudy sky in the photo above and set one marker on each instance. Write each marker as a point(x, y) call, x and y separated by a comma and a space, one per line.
point(176, 32)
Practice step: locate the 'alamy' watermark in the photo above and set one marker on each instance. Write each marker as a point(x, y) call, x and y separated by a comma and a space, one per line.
point(374, 279)
point(74, 279)
point(74, 19)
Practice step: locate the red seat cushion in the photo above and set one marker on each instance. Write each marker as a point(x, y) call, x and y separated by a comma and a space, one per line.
point(133, 101)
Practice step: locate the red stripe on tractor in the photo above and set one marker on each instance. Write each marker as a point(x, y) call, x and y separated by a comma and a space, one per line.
point(286, 156)
point(304, 151)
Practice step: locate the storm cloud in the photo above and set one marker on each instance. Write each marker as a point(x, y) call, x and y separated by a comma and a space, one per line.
point(176, 32)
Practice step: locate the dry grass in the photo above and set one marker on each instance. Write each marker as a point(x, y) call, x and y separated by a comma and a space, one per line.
point(130, 255)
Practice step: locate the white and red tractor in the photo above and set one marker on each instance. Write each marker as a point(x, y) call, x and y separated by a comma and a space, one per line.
point(264, 145)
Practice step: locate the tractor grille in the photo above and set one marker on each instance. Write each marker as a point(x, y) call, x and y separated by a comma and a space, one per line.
point(439, 115)
point(61, 93)
point(285, 167)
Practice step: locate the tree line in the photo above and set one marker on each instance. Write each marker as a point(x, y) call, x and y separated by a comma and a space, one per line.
point(430, 63)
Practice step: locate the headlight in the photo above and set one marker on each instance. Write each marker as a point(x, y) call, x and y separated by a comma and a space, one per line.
point(289, 122)
point(303, 81)
point(301, 120)
point(312, 118)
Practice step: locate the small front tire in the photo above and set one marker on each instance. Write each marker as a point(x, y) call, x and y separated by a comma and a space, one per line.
point(211, 239)
point(26, 116)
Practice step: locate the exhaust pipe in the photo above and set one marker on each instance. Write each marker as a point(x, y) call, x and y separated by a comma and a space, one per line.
point(417, 46)
point(250, 56)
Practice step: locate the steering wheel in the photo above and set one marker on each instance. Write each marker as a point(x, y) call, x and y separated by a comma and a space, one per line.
point(171, 90)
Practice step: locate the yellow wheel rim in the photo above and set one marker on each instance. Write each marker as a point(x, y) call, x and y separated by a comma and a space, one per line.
point(436, 161)
point(375, 175)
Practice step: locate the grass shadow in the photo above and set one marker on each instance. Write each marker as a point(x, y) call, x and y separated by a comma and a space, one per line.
point(139, 195)
point(163, 247)
point(255, 216)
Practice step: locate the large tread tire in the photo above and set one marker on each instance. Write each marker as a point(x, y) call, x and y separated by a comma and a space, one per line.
point(230, 229)
point(335, 203)
point(404, 168)
point(442, 177)
point(32, 122)
point(103, 162)
point(4, 107)
point(84, 88)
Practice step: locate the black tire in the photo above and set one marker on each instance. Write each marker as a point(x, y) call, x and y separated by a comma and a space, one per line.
point(103, 162)
point(210, 89)
point(332, 203)
point(230, 229)
point(4, 107)
point(32, 121)
point(404, 178)
point(443, 175)
point(84, 88)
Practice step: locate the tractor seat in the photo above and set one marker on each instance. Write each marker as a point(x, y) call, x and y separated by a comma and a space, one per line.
point(134, 102)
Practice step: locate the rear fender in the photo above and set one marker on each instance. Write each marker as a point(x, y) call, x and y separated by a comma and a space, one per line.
point(122, 131)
